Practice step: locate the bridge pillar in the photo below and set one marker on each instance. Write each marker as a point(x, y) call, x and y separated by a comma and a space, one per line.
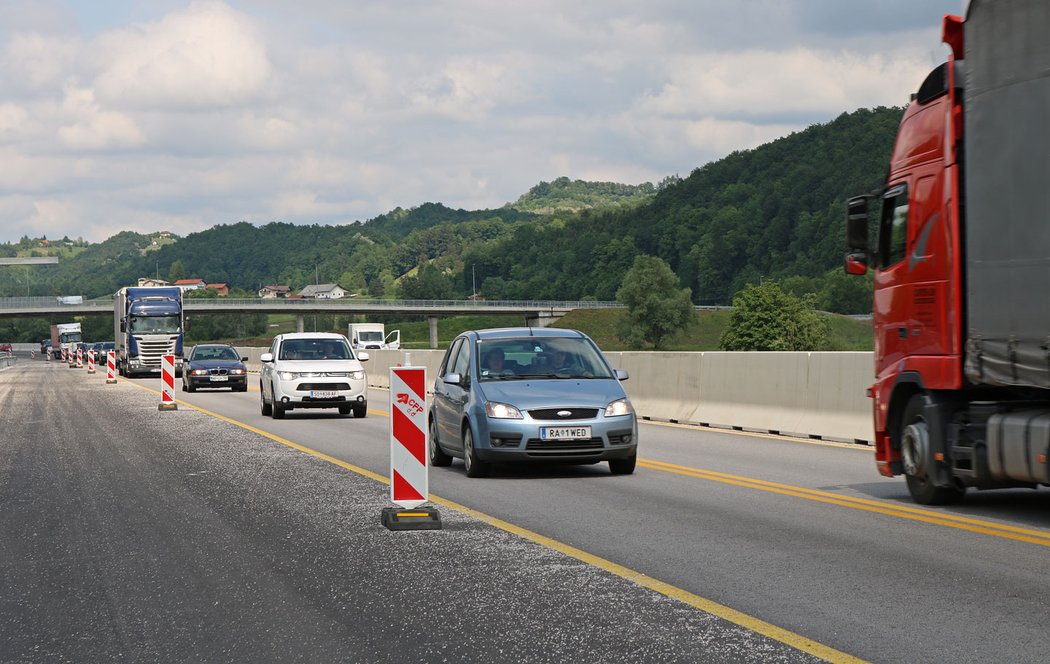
point(300, 324)
point(433, 331)
point(541, 318)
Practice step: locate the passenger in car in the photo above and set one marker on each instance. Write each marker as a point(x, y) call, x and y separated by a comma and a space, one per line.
point(494, 361)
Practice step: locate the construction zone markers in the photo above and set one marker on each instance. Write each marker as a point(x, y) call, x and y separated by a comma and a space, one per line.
point(91, 361)
point(409, 482)
point(111, 367)
point(167, 380)
point(80, 358)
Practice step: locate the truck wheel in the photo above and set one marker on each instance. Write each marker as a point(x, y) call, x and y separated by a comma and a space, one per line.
point(438, 458)
point(475, 467)
point(914, 439)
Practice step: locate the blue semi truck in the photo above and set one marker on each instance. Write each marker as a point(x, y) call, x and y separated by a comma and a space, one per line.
point(148, 323)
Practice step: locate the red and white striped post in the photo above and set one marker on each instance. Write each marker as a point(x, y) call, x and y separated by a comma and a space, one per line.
point(32, 354)
point(80, 358)
point(48, 354)
point(111, 367)
point(91, 360)
point(409, 481)
point(167, 383)
point(64, 357)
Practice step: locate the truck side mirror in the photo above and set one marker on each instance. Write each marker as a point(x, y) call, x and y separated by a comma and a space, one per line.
point(857, 224)
point(857, 263)
point(123, 324)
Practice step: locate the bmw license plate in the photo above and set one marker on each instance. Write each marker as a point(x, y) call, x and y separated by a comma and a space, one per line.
point(220, 379)
point(564, 433)
point(323, 394)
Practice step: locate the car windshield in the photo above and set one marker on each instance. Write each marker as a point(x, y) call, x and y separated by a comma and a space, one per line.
point(214, 353)
point(531, 357)
point(154, 324)
point(315, 349)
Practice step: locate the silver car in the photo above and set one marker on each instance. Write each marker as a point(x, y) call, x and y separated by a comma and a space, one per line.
point(312, 370)
point(530, 394)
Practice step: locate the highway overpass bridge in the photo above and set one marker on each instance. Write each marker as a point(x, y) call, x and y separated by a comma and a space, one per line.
point(534, 313)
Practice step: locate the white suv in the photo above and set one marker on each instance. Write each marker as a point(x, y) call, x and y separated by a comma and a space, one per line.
point(313, 370)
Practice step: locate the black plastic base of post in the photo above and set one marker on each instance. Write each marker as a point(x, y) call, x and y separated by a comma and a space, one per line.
point(420, 518)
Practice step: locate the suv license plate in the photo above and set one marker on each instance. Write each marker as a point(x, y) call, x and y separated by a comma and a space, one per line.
point(323, 394)
point(564, 433)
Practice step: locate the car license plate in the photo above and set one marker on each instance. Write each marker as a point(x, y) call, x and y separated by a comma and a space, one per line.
point(323, 394)
point(219, 379)
point(564, 433)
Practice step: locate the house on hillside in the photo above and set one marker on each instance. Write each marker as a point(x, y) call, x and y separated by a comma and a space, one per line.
point(150, 282)
point(191, 284)
point(323, 291)
point(270, 292)
point(222, 290)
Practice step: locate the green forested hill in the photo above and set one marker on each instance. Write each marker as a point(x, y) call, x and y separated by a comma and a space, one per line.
point(776, 211)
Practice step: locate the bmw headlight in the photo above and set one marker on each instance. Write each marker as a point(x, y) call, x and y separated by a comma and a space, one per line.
point(357, 375)
point(619, 407)
point(502, 411)
point(287, 375)
point(199, 372)
point(237, 372)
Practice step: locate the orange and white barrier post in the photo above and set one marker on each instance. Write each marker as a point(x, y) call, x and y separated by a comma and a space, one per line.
point(64, 358)
point(32, 354)
point(111, 367)
point(167, 380)
point(91, 361)
point(409, 481)
point(80, 358)
point(48, 354)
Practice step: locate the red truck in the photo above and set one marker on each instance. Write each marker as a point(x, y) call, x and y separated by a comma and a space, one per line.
point(961, 260)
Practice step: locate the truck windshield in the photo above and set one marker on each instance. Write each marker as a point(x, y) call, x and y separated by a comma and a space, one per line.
point(155, 324)
point(370, 335)
point(70, 337)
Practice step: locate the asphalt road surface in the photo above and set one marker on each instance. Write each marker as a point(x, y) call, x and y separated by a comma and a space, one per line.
point(797, 536)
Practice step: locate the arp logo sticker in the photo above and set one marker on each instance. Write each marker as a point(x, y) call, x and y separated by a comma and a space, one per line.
point(412, 404)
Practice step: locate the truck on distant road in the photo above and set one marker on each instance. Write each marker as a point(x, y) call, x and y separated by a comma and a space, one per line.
point(372, 336)
point(961, 260)
point(148, 323)
point(65, 336)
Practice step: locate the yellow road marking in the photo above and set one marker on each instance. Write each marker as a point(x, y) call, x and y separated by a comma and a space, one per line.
point(744, 620)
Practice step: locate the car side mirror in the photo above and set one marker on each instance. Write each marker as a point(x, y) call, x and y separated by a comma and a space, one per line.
point(244, 359)
point(621, 374)
point(362, 356)
point(266, 357)
point(453, 379)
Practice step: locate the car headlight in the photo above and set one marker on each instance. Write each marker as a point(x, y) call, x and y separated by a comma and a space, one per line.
point(502, 411)
point(287, 375)
point(237, 372)
point(619, 407)
point(199, 372)
point(357, 375)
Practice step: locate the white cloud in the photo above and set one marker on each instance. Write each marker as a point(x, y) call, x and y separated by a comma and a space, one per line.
point(96, 129)
point(39, 61)
point(206, 56)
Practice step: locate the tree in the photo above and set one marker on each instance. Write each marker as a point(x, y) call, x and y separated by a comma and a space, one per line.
point(656, 306)
point(177, 271)
point(764, 317)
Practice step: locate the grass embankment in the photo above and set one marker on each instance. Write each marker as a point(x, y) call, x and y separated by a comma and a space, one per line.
point(599, 324)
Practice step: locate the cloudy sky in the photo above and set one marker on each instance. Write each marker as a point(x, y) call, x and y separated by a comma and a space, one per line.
point(177, 115)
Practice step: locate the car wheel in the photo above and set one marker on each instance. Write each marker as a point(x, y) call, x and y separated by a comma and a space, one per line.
point(623, 466)
point(266, 409)
point(189, 387)
point(475, 467)
point(438, 457)
point(184, 386)
point(278, 408)
point(361, 410)
point(345, 410)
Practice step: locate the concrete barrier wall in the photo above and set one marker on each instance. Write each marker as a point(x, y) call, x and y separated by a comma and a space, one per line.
point(821, 395)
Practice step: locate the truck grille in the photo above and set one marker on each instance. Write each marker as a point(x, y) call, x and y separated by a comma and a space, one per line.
point(151, 351)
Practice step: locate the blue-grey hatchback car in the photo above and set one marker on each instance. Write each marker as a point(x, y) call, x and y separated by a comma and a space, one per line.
point(530, 394)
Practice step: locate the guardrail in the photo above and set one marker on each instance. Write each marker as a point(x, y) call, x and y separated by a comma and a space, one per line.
point(7, 360)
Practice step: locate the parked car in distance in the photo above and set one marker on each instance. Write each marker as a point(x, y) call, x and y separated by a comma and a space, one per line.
point(530, 394)
point(312, 370)
point(214, 366)
point(6, 348)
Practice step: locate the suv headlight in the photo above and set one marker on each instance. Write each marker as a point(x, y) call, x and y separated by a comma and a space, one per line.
point(287, 375)
point(502, 411)
point(357, 375)
point(619, 407)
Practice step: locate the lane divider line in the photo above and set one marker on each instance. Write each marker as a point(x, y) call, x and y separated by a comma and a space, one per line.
point(741, 619)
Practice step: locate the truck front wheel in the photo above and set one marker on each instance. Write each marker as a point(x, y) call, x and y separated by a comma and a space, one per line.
point(914, 439)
